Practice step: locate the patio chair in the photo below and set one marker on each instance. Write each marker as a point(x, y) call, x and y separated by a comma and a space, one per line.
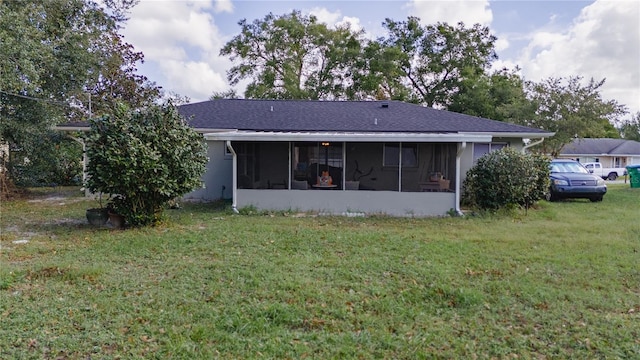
point(299, 184)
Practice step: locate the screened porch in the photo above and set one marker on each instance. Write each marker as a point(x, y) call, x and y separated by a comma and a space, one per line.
point(351, 166)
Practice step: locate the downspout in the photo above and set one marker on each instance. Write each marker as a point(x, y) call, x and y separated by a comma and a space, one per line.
point(461, 148)
point(234, 181)
point(532, 144)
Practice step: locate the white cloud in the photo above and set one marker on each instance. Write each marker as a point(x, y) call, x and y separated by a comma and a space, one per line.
point(501, 44)
point(452, 11)
point(223, 6)
point(335, 18)
point(195, 79)
point(325, 16)
point(181, 39)
point(602, 42)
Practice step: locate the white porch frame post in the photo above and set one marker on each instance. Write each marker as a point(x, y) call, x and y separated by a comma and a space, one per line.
point(234, 177)
point(461, 147)
point(400, 167)
point(344, 165)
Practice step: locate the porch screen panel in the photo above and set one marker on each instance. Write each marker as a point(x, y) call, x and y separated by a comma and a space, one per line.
point(411, 155)
point(273, 164)
point(436, 159)
point(248, 172)
point(364, 165)
point(310, 159)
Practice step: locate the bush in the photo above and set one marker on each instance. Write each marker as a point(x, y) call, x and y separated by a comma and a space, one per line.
point(50, 159)
point(506, 177)
point(144, 159)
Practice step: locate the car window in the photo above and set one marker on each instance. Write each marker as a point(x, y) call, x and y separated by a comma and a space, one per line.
point(568, 167)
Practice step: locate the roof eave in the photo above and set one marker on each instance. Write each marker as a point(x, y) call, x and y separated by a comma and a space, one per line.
point(346, 136)
point(524, 135)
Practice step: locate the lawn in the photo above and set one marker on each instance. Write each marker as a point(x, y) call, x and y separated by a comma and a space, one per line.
point(560, 281)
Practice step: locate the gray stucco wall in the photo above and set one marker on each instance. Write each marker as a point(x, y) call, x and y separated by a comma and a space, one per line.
point(218, 176)
point(338, 202)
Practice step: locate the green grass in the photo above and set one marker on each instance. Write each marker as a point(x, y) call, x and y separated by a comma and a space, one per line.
point(561, 281)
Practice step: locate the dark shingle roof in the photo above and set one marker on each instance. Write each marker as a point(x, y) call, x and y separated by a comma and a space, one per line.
point(349, 116)
point(601, 147)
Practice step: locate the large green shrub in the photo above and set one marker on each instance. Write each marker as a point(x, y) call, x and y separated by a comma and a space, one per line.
point(144, 159)
point(506, 177)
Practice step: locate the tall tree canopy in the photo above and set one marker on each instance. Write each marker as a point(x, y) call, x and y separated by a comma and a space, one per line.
point(117, 79)
point(431, 61)
point(630, 129)
point(46, 58)
point(55, 54)
point(499, 96)
point(293, 56)
point(571, 109)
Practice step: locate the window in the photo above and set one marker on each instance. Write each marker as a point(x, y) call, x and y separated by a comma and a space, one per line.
point(480, 149)
point(392, 154)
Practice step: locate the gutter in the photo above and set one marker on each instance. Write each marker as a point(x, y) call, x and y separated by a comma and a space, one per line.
point(234, 184)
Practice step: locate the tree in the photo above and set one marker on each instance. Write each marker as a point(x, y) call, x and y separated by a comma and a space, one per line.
point(293, 57)
point(379, 72)
point(116, 79)
point(571, 109)
point(145, 158)
point(52, 159)
point(431, 61)
point(227, 94)
point(500, 96)
point(56, 58)
point(630, 129)
point(45, 61)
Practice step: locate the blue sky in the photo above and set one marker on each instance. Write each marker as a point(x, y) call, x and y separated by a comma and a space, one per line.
point(181, 39)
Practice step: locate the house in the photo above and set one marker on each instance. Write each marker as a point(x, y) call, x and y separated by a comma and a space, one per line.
point(612, 153)
point(341, 157)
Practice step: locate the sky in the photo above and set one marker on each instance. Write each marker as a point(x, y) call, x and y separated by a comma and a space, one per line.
point(181, 39)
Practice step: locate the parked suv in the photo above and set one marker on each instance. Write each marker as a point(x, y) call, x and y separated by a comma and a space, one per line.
point(569, 179)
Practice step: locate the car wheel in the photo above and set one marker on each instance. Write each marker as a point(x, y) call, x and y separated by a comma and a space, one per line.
point(550, 197)
point(596, 198)
point(612, 176)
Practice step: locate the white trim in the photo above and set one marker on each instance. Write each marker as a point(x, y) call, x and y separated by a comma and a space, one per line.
point(220, 134)
point(461, 148)
point(238, 135)
point(524, 135)
point(234, 177)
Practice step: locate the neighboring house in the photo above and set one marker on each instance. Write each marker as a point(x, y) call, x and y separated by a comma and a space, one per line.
point(612, 153)
point(383, 157)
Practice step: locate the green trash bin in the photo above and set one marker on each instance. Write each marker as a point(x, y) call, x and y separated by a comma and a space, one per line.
point(634, 175)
